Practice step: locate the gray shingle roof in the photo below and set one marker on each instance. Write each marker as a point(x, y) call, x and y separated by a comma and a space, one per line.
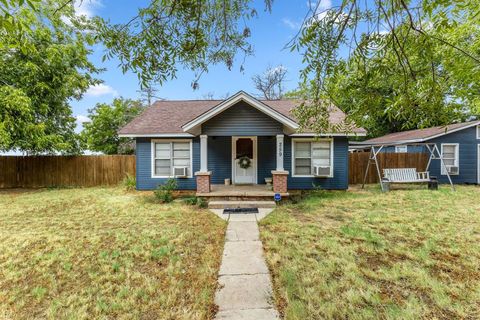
point(168, 117)
point(419, 135)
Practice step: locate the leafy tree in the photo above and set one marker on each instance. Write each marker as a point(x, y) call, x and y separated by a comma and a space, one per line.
point(270, 83)
point(106, 119)
point(399, 35)
point(194, 34)
point(8, 21)
point(379, 97)
point(411, 63)
point(42, 68)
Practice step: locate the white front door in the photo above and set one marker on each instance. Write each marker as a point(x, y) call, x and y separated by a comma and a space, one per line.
point(244, 149)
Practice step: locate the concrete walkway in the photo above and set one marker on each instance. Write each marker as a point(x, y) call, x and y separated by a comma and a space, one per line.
point(245, 287)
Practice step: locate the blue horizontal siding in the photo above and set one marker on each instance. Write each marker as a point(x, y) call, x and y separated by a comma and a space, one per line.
point(220, 163)
point(144, 166)
point(267, 159)
point(242, 119)
point(220, 158)
point(340, 168)
point(468, 156)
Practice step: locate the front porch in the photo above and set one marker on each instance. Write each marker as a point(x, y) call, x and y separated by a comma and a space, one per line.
point(221, 160)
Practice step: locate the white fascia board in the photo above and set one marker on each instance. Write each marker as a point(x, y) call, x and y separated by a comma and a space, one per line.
point(352, 134)
point(239, 96)
point(157, 135)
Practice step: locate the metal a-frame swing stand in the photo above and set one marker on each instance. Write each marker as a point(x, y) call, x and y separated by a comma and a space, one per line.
point(376, 149)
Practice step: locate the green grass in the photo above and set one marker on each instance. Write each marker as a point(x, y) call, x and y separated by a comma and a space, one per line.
point(106, 253)
point(407, 254)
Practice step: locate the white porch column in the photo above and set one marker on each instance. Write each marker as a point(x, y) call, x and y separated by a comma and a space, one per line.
point(203, 153)
point(280, 148)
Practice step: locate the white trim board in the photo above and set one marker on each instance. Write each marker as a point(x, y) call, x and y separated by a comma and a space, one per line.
point(189, 135)
point(308, 135)
point(240, 96)
point(158, 135)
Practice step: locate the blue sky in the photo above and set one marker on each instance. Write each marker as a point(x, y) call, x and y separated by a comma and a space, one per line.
point(270, 33)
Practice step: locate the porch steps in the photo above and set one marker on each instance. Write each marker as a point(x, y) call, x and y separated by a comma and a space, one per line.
point(239, 198)
point(240, 204)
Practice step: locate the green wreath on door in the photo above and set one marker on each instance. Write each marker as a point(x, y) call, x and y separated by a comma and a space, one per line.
point(244, 162)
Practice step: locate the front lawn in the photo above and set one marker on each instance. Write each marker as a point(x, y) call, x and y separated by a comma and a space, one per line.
point(407, 254)
point(105, 253)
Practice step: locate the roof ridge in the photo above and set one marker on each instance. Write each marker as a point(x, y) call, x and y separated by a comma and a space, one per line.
point(204, 100)
point(186, 100)
point(430, 128)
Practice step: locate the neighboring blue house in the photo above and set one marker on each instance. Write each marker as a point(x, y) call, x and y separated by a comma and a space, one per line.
point(459, 144)
point(246, 140)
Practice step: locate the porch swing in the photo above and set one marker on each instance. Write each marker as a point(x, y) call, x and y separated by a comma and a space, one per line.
point(404, 175)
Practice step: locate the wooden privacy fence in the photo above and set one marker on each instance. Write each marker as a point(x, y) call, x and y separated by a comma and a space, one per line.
point(359, 160)
point(86, 171)
point(51, 171)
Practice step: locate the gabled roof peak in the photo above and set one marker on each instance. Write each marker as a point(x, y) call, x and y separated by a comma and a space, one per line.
point(237, 97)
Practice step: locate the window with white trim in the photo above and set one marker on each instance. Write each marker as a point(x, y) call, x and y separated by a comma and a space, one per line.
point(400, 149)
point(478, 131)
point(310, 154)
point(450, 156)
point(170, 154)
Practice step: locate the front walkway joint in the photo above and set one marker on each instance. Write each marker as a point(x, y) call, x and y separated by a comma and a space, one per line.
point(245, 290)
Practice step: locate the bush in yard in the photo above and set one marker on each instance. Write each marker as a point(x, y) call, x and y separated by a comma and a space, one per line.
point(129, 182)
point(191, 201)
point(201, 203)
point(164, 192)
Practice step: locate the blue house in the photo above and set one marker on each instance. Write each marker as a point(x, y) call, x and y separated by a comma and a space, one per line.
point(202, 143)
point(459, 145)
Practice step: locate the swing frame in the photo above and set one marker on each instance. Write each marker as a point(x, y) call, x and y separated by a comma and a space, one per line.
point(375, 149)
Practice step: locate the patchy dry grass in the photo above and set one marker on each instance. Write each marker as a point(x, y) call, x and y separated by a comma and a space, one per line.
point(407, 254)
point(105, 253)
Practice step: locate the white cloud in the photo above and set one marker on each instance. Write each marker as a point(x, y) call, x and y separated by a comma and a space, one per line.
point(322, 6)
point(87, 7)
point(101, 90)
point(81, 118)
point(291, 24)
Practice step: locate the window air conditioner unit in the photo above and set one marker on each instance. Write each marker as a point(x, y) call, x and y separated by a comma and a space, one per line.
point(452, 169)
point(180, 172)
point(321, 171)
